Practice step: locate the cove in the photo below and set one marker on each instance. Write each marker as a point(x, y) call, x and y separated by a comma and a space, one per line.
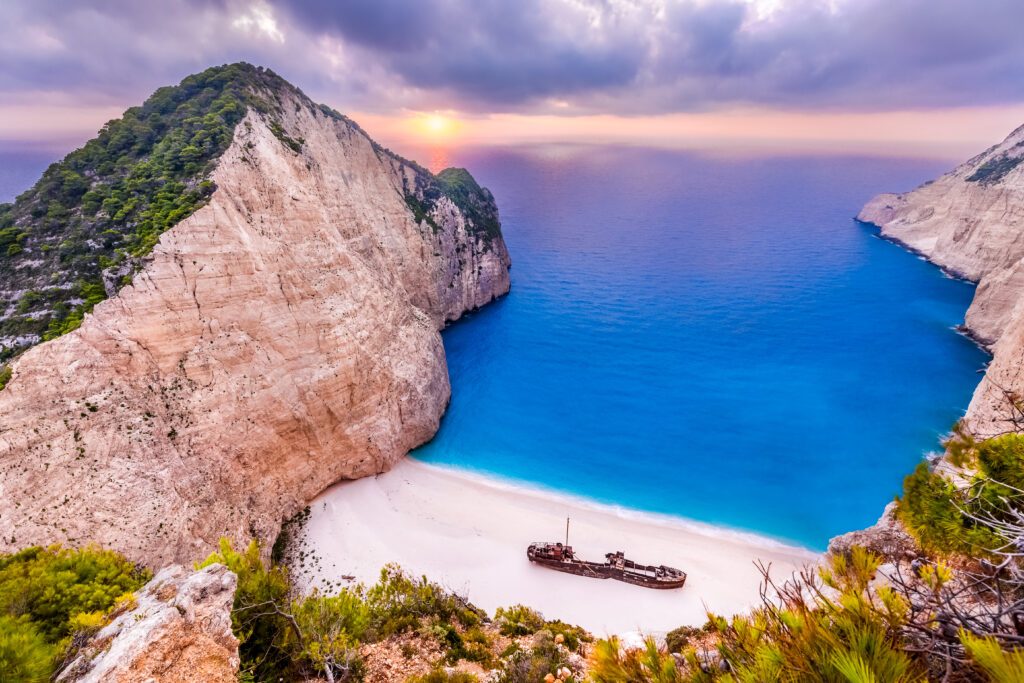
point(712, 337)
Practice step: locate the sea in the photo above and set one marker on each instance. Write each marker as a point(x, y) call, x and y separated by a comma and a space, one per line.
point(710, 336)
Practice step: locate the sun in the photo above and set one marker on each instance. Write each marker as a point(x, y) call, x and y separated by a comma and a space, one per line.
point(436, 126)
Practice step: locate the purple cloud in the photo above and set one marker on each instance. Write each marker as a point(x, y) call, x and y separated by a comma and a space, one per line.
point(613, 56)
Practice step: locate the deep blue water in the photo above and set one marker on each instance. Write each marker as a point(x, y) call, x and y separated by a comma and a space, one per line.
point(714, 338)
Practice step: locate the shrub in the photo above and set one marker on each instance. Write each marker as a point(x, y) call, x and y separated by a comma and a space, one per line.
point(1002, 459)
point(50, 586)
point(825, 634)
point(259, 616)
point(929, 510)
point(293, 144)
point(995, 169)
point(48, 595)
point(518, 620)
point(572, 636)
point(611, 663)
point(473, 645)
point(941, 515)
point(25, 655)
point(330, 628)
point(532, 664)
point(999, 665)
point(286, 637)
point(5, 376)
point(676, 640)
point(398, 602)
point(88, 623)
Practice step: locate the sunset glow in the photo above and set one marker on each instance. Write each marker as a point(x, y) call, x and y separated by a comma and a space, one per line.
point(941, 133)
point(432, 127)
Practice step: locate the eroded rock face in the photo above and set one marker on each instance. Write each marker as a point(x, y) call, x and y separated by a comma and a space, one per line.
point(971, 222)
point(179, 631)
point(281, 338)
point(887, 538)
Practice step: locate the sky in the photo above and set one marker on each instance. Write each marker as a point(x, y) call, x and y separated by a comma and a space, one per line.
point(939, 77)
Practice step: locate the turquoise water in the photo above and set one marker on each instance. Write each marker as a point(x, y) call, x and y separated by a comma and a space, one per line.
point(714, 338)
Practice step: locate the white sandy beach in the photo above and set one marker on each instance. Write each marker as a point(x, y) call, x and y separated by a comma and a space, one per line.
point(470, 534)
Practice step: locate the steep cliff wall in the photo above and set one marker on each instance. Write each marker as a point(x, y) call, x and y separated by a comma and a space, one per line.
point(282, 337)
point(971, 222)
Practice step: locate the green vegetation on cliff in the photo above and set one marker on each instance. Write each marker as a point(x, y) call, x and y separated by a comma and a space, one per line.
point(50, 596)
point(825, 628)
point(947, 516)
point(80, 232)
point(475, 202)
point(996, 168)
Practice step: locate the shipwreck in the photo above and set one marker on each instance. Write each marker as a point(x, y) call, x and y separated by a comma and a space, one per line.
point(560, 557)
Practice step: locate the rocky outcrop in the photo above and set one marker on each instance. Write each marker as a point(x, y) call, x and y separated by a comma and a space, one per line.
point(178, 631)
point(887, 538)
point(282, 337)
point(971, 222)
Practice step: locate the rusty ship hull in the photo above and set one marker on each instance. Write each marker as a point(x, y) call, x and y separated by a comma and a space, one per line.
point(561, 558)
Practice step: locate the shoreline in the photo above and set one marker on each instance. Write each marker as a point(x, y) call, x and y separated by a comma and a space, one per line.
point(625, 512)
point(469, 533)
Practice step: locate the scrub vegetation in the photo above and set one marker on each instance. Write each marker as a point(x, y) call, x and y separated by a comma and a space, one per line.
point(51, 598)
point(996, 168)
point(950, 517)
point(288, 636)
point(476, 203)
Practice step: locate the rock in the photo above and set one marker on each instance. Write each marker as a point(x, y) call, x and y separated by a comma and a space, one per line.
point(887, 538)
point(399, 658)
point(281, 338)
point(180, 631)
point(971, 222)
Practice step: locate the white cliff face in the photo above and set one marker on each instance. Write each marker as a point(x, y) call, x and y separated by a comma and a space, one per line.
point(281, 338)
point(971, 221)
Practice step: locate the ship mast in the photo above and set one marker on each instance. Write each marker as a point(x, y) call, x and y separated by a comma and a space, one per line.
point(567, 531)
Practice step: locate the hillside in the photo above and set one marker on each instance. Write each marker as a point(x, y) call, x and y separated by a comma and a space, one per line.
point(238, 295)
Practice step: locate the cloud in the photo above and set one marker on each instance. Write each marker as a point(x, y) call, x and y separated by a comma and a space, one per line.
point(259, 20)
point(559, 56)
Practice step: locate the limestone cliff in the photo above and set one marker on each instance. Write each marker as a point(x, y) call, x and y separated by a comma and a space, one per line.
point(971, 222)
point(282, 337)
point(178, 631)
